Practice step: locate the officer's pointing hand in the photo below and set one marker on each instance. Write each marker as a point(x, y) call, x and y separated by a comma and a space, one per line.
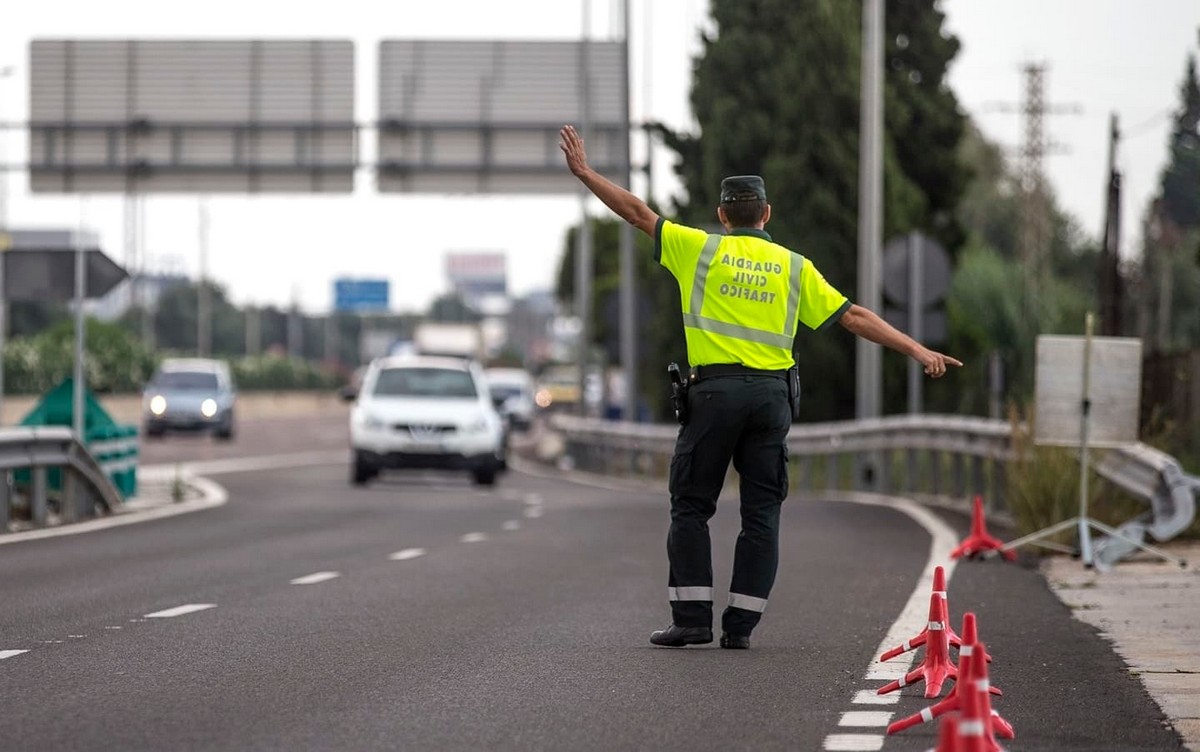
point(572, 146)
point(935, 363)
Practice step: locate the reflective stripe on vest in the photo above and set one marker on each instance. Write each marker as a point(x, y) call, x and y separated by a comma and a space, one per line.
point(693, 318)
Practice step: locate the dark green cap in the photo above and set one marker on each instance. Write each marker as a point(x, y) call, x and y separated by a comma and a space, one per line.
point(743, 188)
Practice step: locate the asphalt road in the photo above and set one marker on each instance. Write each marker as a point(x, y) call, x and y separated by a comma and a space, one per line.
point(439, 616)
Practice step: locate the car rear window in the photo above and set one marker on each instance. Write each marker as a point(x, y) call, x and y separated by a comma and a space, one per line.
point(186, 380)
point(501, 391)
point(424, 382)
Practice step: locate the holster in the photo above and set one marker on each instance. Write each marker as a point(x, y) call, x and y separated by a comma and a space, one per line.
point(793, 380)
point(679, 389)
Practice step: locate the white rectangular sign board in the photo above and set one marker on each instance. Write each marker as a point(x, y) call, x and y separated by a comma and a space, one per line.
point(1115, 375)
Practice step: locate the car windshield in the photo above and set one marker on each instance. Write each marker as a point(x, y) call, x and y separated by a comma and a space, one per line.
point(186, 381)
point(424, 382)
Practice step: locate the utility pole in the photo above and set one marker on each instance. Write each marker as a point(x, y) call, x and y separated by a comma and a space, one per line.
point(628, 291)
point(583, 248)
point(143, 265)
point(1033, 239)
point(1110, 258)
point(868, 358)
point(203, 294)
point(253, 330)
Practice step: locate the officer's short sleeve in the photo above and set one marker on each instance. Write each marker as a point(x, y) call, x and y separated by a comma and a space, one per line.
point(820, 302)
point(677, 247)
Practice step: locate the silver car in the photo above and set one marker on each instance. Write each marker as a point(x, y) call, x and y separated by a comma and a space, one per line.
point(190, 394)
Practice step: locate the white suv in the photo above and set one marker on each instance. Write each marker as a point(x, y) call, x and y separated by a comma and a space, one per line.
point(425, 412)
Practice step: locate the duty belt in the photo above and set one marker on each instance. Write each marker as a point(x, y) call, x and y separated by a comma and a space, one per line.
point(700, 373)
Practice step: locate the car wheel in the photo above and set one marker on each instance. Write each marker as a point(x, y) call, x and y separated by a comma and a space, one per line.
point(225, 430)
point(484, 476)
point(361, 471)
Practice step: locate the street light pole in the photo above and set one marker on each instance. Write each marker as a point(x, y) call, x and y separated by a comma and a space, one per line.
point(5, 72)
point(869, 358)
point(203, 295)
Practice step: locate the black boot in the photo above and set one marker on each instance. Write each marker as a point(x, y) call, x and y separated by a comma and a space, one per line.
point(676, 637)
point(735, 642)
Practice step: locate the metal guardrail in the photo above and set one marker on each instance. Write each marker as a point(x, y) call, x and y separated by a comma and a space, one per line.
point(1157, 477)
point(86, 486)
point(941, 455)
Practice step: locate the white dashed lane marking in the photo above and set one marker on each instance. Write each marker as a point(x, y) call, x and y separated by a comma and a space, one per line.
point(865, 718)
point(533, 512)
point(871, 697)
point(473, 538)
point(408, 553)
point(853, 742)
point(189, 608)
point(10, 653)
point(533, 500)
point(315, 577)
point(511, 525)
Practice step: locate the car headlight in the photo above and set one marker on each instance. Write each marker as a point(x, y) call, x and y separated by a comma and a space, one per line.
point(372, 422)
point(479, 425)
point(158, 404)
point(208, 408)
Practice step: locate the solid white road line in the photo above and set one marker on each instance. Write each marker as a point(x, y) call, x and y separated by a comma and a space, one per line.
point(213, 495)
point(189, 608)
point(473, 538)
point(408, 553)
point(853, 742)
point(914, 615)
point(247, 464)
point(865, 718)
point(314, 578)
point(511, 525)
point(10, 653)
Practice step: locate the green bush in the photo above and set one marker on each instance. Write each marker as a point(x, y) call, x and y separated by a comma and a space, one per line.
point(116, 360)
point(273, 372)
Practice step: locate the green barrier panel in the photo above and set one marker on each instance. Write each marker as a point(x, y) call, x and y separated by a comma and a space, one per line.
point(115, 446)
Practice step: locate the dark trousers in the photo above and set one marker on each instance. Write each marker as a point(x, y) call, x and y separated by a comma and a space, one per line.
point(744, 419)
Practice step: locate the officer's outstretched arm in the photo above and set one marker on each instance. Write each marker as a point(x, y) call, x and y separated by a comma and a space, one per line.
point(626, 205)
point(866, 324)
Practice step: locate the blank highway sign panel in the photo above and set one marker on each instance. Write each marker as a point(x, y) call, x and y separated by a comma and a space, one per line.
point(1116, 385)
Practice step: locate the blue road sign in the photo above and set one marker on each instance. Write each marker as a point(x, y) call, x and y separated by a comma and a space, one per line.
point(360, 295)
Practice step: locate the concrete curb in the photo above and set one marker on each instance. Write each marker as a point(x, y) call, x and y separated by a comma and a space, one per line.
point(155, 504)
point(1150, 611)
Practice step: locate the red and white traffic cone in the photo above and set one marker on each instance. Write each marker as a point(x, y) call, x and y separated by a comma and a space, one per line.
point(980, 541)
point(966, 668)
point(938, 595)
point(947, 735)
point(939, 592)
point(936, 666)
point(975, 726)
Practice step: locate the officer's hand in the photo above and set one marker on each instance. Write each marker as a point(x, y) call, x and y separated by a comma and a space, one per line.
point(934, 362)
point(572, 146)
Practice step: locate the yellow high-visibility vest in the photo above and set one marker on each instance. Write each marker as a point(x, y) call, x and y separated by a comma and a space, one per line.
point(743, 295)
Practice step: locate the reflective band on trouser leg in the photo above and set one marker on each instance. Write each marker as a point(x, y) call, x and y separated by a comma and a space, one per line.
point(689, 593)
point(747, 602)
point(707, 253)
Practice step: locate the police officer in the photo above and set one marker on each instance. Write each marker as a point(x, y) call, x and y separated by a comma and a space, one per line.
point(742, 297)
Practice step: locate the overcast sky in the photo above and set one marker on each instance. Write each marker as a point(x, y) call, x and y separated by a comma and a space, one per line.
point(1105, 56)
